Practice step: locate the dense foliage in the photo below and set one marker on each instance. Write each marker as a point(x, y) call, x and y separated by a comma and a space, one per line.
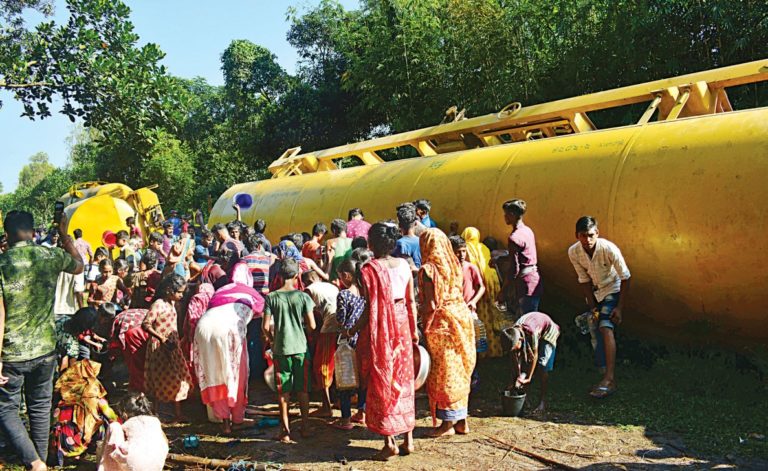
point(389, 66)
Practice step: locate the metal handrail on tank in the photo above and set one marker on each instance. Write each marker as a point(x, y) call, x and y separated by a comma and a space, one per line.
point(695, 94)
point(681, 190)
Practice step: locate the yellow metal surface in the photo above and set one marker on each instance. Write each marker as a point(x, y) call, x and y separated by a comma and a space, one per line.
point(684, 199)
point(96, 207)
point(695, 94)
point(86, 190)
point(98, 214)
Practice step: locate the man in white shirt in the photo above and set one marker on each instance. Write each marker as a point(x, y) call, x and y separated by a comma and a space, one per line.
point(604, 279)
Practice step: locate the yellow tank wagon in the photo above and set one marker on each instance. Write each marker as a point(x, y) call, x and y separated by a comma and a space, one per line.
point(682, 191)
point(98, 207)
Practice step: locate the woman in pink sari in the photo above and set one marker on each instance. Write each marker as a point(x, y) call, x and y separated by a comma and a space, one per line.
point(220, 348)
point(385, 346)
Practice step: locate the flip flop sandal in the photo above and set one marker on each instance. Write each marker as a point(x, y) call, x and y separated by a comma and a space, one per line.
point(601, 392)
point(339, 426)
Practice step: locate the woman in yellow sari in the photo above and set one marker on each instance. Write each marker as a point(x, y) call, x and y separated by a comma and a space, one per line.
point(479, 254)
point(83, 414)
point(449, 333)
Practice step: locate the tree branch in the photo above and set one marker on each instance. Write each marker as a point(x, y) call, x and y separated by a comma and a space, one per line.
point(11, 86)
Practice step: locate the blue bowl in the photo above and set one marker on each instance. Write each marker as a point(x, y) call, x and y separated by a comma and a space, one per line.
point(244, 200)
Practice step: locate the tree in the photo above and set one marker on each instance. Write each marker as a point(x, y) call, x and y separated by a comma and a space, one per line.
point(93, 64)
point(84, 153)
point(251, 72)
point(35, 171)
point(170, 166)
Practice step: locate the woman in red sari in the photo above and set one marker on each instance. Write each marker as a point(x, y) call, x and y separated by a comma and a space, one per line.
point(385, 347)
point(132, 340)
point(197, 306)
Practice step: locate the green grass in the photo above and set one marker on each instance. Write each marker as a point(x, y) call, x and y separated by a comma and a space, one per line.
point(708, 398)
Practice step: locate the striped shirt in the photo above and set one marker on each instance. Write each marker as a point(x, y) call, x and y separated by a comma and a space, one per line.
point(259, 264)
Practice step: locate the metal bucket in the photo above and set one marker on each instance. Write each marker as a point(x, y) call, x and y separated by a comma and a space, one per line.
point(269, 378)
point(512, 404)
point(421, 365)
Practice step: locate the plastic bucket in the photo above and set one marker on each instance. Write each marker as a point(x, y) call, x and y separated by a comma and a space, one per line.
point(512, 404)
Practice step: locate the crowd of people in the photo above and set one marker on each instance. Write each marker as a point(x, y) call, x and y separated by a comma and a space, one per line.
point(198, 309)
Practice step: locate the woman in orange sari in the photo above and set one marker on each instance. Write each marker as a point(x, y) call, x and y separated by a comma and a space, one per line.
point(387, 330)
point(449, 333)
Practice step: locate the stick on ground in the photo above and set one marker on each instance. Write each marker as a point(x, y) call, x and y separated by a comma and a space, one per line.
point(217, 463)
point(532, 455)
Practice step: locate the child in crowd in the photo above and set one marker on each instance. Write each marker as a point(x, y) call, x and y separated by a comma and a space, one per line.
point(359, 243)
point(313, 248)
point(290, 309)
point(104, 289)
point(122, 239)
point(324, 295)
point(259, 227)
point(350, 305)
point(105, 320)
point(143, 283)
point(180, 258)
point(81, 326)
point(103, 330)
point(337, 249)
point(533, 341)
point(259, 261)
point(122, 269)
point(139, 444)
point(169, 237)
point(92, 270)
point(133, 228)
point(407, 246)
point(137, 245)
point(474, 289)
point(204, 251)
point(156, 245)
point(423, 207)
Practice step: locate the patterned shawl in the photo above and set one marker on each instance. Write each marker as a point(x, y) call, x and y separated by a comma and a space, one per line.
point(384, 387)
point(442, 267)
point(80, 388)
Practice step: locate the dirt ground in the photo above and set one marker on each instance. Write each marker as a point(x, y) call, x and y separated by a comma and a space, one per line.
point(564, 438)
point(488, 447)
point(676, 408)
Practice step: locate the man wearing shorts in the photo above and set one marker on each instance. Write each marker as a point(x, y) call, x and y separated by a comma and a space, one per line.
point(604, 279)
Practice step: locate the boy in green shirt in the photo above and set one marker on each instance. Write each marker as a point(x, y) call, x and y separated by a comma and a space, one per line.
point(291, 310)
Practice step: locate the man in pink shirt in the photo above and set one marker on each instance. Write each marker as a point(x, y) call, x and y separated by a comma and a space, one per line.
point(357, 226)
point(533, 339)
point(523, 273)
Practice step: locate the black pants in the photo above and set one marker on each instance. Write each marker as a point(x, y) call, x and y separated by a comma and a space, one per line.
point(36, 376)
